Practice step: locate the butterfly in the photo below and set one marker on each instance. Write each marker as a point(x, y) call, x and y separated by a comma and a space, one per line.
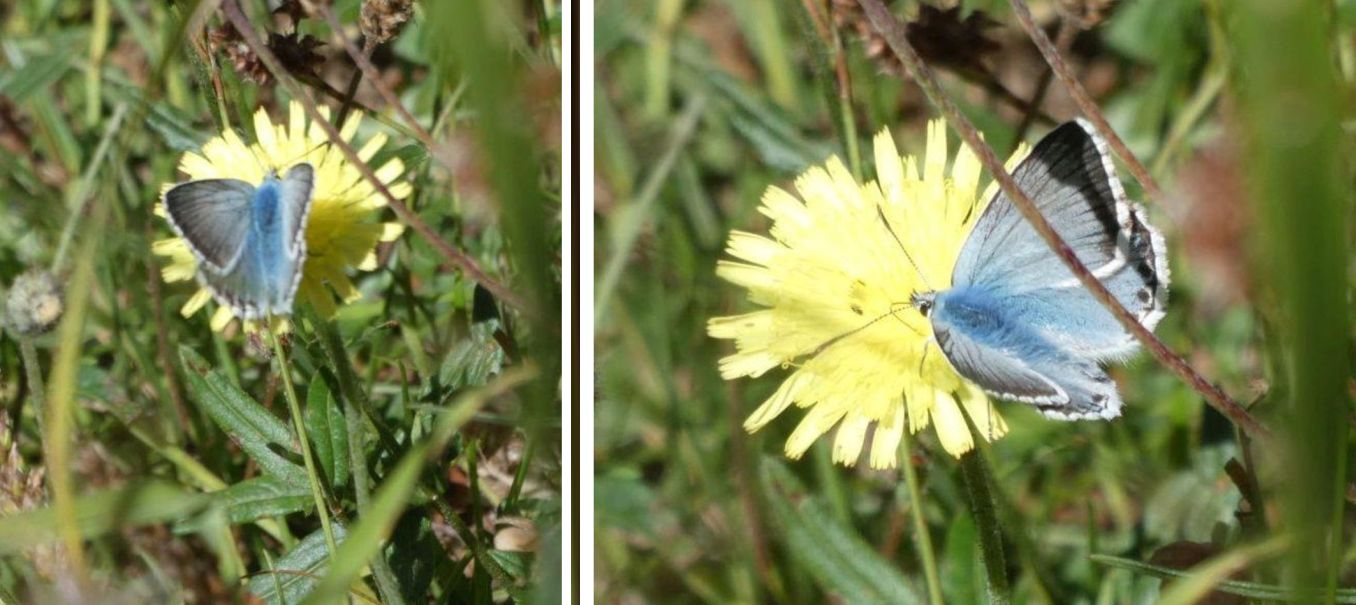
point(1015, 320)
point(250, 241)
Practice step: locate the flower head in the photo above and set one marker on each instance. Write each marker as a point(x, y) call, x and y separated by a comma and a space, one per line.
point(835, 278)
point(342, 229)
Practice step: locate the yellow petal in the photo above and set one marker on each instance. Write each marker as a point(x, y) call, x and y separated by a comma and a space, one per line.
point(221, 318)
point(889, 432)
point(391, 232)
point(818, 421)
point(372, 146)
point(950, 425)
point(777, 403)
point(847, 445)
point(195, 302)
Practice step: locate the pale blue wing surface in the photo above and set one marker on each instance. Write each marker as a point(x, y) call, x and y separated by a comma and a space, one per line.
point(989, 342)
point(984, 348)
point(264, 279)
point(213, 217)
point(1069, 177)
point(294, 193)
point(1069, 316)
point(250, 288)
point(994, 370)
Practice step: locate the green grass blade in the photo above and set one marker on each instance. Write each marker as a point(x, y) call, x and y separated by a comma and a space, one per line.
point(1291, 107)
point(101, 512)
point(833, 553)
point(1199, 579)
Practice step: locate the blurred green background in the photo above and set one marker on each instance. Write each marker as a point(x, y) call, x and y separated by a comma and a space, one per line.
point(440, 465)
point(701, 105)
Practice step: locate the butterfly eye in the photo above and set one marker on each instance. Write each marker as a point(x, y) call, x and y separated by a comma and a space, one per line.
point(922, 302)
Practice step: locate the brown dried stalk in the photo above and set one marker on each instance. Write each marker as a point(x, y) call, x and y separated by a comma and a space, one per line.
point(233, 12)
point(369, 71)
point(1084, 100)
point(893, 31)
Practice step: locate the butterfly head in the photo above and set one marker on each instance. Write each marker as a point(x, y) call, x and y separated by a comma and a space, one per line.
point(923, 301)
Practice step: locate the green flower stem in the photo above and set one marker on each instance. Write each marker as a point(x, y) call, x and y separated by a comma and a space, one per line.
point(362, 494)
point(920, 525)
point(355, 403)
point(36, 389)
point(316, 491)
point(976, 475)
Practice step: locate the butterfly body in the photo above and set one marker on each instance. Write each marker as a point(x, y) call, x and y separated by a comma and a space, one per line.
point(1016, 321)
point(249, 240)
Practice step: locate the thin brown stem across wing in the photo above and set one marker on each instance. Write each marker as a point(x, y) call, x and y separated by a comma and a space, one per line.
point(893, 31)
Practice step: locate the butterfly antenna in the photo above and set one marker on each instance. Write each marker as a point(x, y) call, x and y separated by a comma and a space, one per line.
point(884, 221)
point(303, 154)
point(894, 309)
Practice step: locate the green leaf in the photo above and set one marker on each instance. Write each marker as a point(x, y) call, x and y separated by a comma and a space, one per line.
point(295, 575)
point(515, 563)
point(173, 125)
point(473, 360)
point(39, 73)
point(262, 497)
point(838, 559)
point(773, 135)
point(101, 512)
point(414, 554)
point(1252, 590)
point(251, 425)
point(326, 427)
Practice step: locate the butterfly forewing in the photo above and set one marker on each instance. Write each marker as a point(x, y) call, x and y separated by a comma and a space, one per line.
point(213, 217)
point(294, 191)
point(1068, 176)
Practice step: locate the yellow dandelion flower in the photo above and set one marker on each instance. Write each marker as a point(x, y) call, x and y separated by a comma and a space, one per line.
point(342, 230)
point(835, 285)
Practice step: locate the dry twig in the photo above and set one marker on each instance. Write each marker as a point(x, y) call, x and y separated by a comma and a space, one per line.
point(1084, 100)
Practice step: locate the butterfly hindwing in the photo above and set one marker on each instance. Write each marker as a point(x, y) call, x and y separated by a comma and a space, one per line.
point(213, 217)
point(1069, 316)
point(991, 342)
point(1092, 393)
point(996, 371)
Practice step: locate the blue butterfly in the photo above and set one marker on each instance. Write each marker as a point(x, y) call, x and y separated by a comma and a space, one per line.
point(250, 241)
point(1016, 321)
